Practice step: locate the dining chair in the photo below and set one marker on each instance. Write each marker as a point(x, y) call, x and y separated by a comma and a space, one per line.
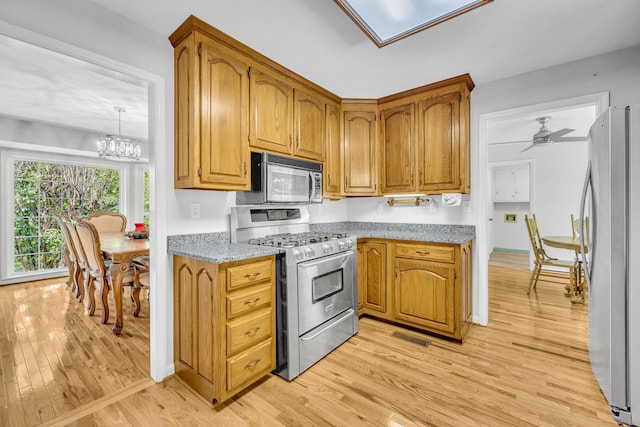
point(542, 259)
point(108, 222)
point(141, 280)
point(69, 254)
point(96, 268)
point(575, 230)
point(81, 259)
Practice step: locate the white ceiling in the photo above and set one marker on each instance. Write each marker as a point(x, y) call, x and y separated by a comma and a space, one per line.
point(317, 40)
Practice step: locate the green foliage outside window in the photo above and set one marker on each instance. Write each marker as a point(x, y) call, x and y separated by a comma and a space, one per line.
point(42, 189)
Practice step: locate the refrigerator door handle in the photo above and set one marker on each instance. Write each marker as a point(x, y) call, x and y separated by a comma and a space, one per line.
point(583, 201)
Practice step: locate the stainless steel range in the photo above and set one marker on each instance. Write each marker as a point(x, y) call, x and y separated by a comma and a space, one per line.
point(317, 296)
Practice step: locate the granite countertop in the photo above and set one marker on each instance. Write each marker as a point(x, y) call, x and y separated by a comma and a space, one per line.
point(441, 233)
point(217, 249)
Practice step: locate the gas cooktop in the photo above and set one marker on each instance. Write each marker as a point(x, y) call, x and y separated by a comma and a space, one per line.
point(290, 240)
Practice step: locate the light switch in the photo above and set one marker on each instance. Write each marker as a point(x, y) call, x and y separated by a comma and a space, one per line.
point(195, 210)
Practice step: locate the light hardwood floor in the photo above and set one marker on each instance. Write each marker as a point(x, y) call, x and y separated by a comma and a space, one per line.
point(530, 366)
point(509, 259)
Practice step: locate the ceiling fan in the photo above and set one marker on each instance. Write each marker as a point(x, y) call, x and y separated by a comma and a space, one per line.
point(544, 135)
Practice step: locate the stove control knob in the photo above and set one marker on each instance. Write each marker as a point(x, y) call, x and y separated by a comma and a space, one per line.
point(340, 245)
point(308, 252)
point(326, 248)
point(349, 243)
point(297, 254)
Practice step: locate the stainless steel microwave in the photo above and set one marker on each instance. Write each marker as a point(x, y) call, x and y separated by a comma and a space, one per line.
point(279, 179)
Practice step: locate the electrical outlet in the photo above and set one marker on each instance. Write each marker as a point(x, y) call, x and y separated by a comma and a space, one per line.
point(380, 207)
point(195, 210)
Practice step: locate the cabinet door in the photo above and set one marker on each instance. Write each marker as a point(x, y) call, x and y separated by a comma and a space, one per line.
point(332, 163)
point(224, 98)
point(425, 293)
point(309, 126)
point(186, 111)
point(271, 113)
point(439, 157)
point(521, 184)
point(360, 153)
point(374, 276)
point(195, 349)
point(396, 136)
point(503, 184)
point(511, 184)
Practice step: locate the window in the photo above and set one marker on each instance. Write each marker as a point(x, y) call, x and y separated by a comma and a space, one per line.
point(386, 21)
point(34, 191)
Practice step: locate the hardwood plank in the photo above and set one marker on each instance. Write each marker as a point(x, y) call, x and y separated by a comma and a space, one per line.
point(528, 367)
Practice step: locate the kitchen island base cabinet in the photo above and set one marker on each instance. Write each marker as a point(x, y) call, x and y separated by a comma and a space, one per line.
point(224, 324)
point(428, 286)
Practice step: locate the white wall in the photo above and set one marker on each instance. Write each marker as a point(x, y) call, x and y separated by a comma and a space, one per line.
point(376, 209)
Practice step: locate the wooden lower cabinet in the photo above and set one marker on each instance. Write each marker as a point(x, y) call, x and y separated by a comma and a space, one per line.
point(372, 276)
point(428, 286)
point(224, 324)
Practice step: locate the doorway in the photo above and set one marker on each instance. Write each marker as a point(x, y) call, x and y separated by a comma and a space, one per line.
point(509, 132)
point(155, 106)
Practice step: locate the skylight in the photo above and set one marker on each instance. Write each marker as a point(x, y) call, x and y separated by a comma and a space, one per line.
point(386, 21)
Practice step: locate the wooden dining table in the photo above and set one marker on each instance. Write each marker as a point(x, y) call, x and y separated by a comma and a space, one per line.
point(121, 250)
point(571, 243)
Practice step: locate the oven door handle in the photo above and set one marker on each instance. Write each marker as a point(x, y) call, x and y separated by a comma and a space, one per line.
point(322, 260)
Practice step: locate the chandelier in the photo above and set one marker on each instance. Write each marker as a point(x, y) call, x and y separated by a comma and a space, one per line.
point(114, 147)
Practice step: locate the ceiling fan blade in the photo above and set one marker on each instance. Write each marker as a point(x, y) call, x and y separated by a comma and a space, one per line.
point(559, 133)
point(528, 148)
point(571, 138)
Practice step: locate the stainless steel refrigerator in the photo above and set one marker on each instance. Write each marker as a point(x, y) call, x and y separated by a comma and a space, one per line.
point(611, 201)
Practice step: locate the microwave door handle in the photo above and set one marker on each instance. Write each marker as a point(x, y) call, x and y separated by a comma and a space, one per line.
point(311, 186)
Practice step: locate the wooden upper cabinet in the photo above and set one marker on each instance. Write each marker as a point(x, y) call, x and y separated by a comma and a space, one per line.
point(271, 112)
point(332, 163)
point(224, 88)
point(309, 126)
point(211, 116)
point(424, 138)
point(359, 151)
point(398, 166)
point(439, 144)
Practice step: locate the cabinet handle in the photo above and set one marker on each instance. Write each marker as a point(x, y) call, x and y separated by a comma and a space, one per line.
point(411, 179)
point(252, 301)
point(252, 275)
point(422, 253)
point(252, 364)
point(253, 331)
point(290, 141)
point(245, 168)
point(297, 143)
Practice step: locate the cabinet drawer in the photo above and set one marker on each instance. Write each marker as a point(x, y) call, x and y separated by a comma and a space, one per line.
point(248, 300)
point(249, 365)
point(430, 252)
point(243, 275)
point(248, 330)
